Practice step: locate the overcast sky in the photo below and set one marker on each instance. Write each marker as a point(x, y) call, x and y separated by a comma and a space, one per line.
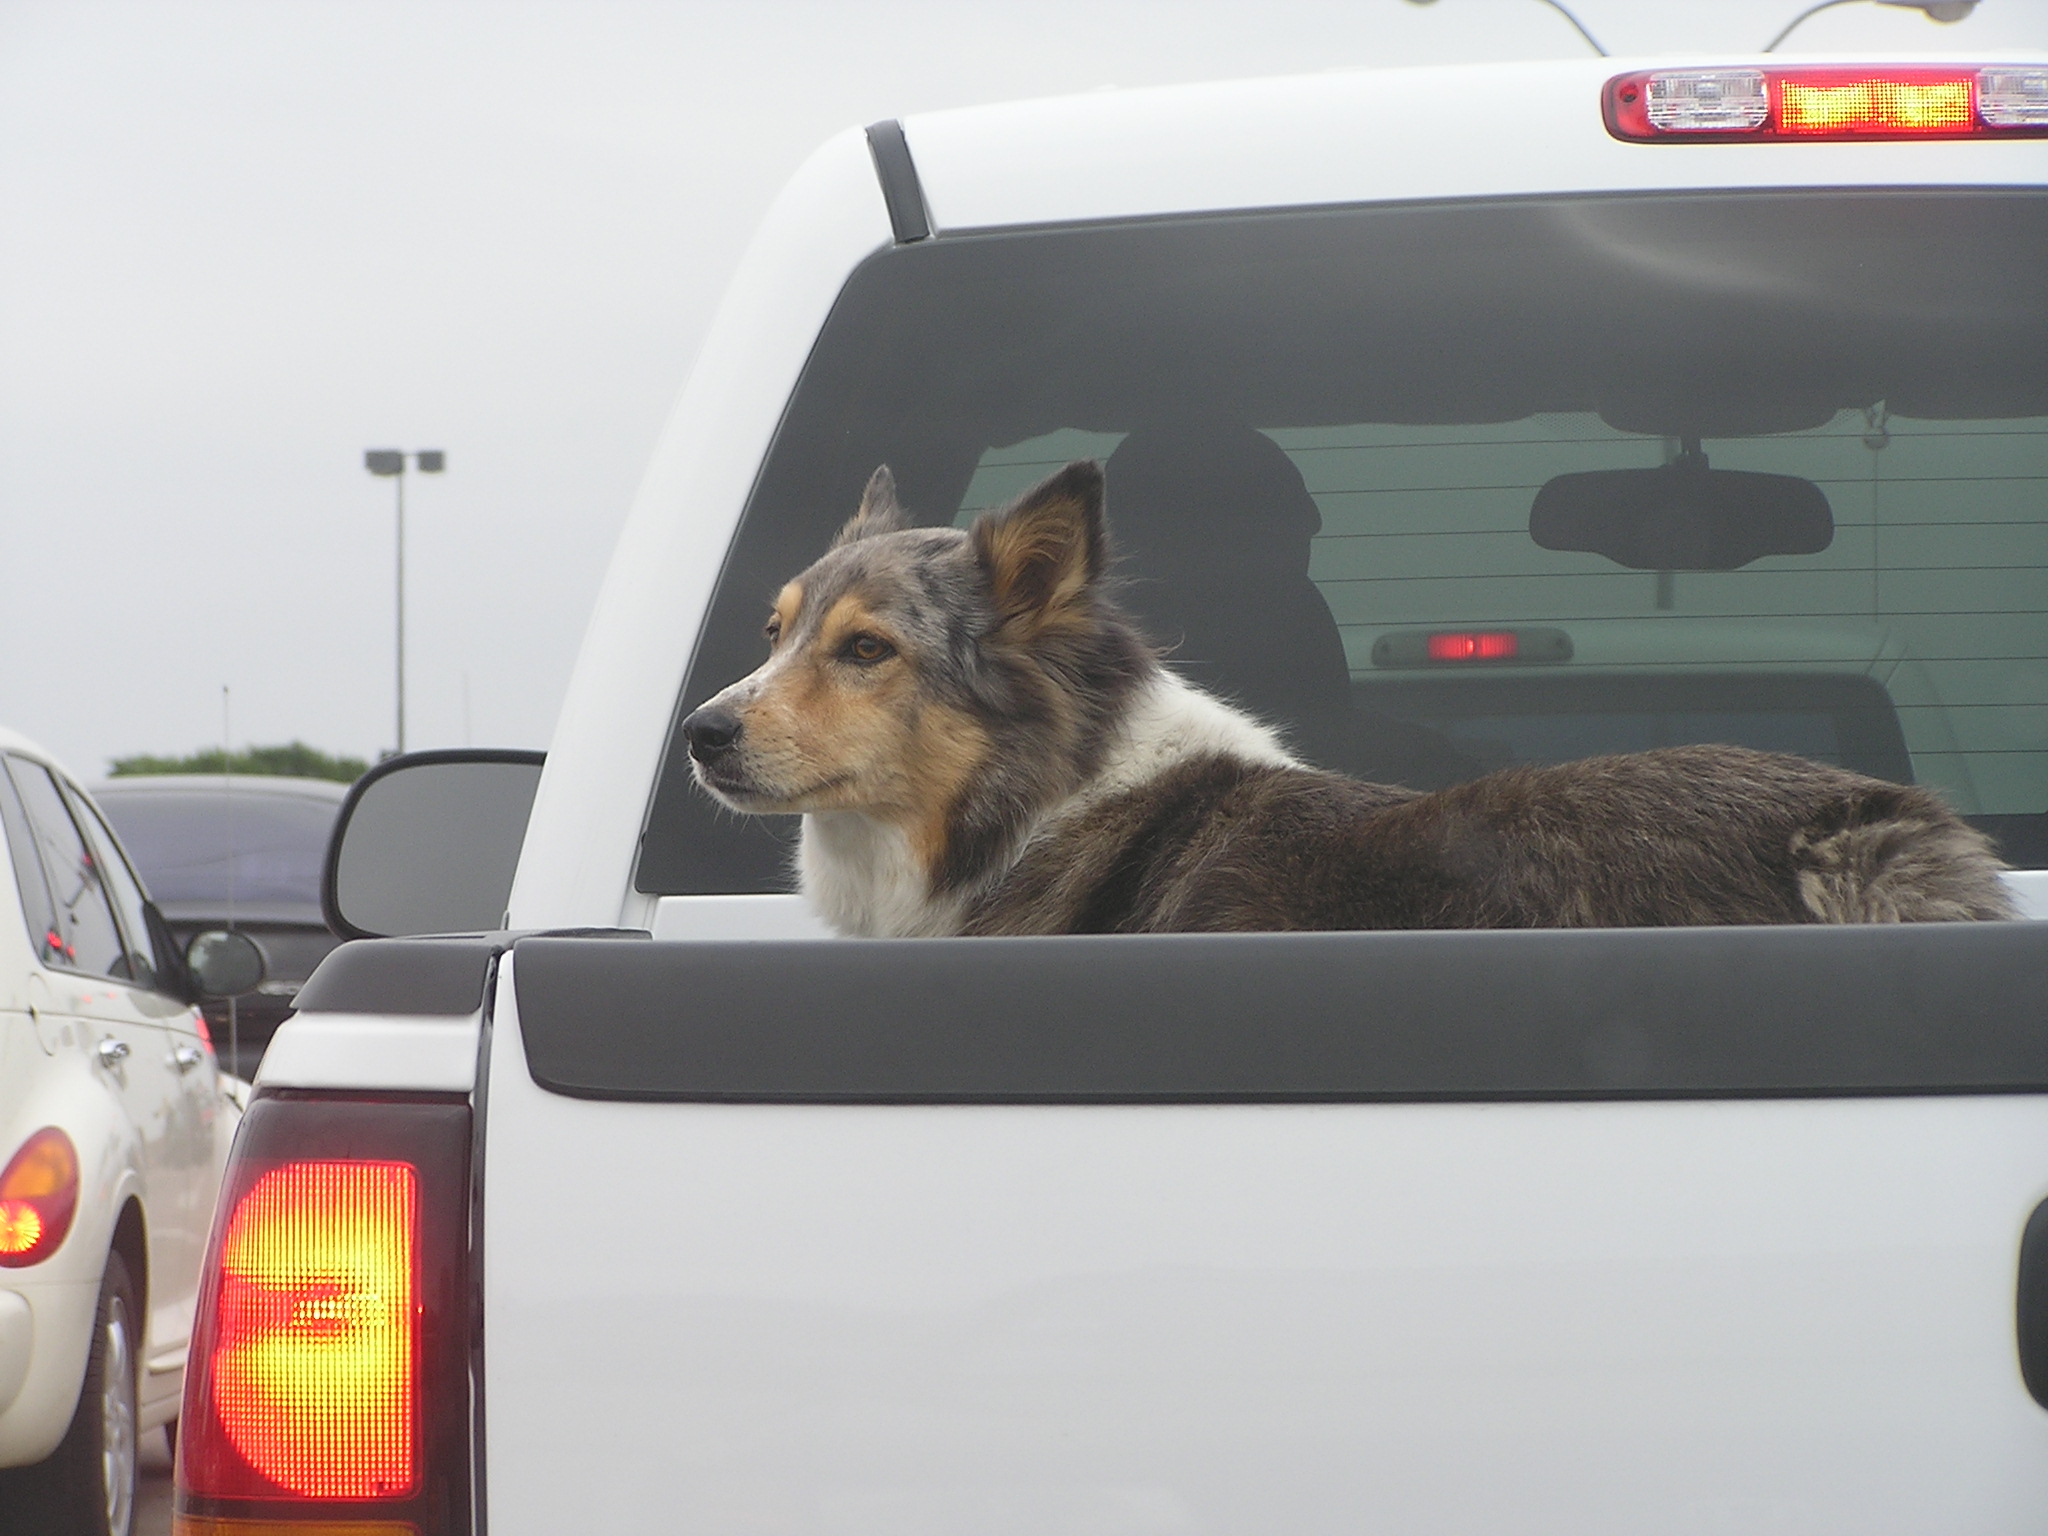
point(241, 243)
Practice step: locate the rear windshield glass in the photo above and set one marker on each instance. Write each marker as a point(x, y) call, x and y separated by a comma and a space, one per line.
point(1397, 403)
point(213, 846)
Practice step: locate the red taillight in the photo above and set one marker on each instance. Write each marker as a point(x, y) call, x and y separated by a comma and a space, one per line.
point(314, 1359)
point(1474, 645)
point(328, 1379)
point(1744, 104)
point(38, 1198)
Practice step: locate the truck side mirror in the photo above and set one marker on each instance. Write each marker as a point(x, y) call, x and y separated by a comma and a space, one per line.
point(427, 843)
point(224, 964)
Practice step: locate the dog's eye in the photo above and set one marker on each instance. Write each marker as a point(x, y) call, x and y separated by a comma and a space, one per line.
point(869, 648)
point(773, 630)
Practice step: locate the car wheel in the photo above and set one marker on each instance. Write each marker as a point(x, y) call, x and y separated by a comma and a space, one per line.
point(86, 1487)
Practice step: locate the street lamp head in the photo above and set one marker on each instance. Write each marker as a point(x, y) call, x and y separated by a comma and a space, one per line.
point(385, 461)
point(431, 461)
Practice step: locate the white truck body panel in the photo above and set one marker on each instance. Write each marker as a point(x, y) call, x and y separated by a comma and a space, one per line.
point(1396, 135)
point(1571, 1318)
point(585, 829)
point(351, 1050)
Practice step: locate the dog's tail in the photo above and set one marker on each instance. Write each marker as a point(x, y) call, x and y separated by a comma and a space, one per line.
point(1895, 854)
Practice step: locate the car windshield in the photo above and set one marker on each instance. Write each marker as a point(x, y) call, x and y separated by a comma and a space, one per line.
point(214, 846)
point(1441, 488)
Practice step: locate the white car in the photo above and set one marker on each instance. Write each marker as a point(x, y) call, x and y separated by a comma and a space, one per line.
point(115, 1121)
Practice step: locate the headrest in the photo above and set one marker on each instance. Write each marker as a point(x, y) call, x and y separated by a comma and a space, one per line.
point(1217, 494)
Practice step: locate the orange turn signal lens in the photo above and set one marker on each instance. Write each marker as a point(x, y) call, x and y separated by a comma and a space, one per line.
point(314, 1362)
point(38, 1198)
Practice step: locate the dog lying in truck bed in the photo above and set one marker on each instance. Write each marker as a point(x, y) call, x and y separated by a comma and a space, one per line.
point(981, 742)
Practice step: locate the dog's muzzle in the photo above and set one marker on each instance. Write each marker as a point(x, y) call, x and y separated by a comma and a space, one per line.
point(711, 732)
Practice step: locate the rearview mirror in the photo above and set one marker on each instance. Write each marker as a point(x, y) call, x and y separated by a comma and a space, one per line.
point(1682, 517)
point(428, 842)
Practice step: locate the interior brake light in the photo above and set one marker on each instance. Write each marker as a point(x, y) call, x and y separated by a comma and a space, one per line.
point(1526, 645)
point(38, 1198)
point(1473, 645)
point(1828, 102)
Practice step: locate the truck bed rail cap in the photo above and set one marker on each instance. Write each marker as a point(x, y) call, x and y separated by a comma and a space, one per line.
point(1556, 1014)
point(440, 976)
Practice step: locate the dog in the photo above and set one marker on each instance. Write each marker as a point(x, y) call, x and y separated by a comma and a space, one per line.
point(981, 742)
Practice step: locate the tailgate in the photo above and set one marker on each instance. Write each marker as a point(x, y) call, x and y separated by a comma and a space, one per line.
point(1690, 1230)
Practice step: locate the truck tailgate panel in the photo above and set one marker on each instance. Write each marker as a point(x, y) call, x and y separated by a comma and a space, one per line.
point(1716, 1314)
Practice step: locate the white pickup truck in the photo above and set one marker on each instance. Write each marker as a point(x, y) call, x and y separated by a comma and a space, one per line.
point(647, 1206)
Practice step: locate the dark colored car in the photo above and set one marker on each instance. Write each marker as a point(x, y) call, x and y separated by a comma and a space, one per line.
point(239, 852)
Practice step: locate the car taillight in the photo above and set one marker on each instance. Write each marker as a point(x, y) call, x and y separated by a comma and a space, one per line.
point(1745, 104)
point(327, 1387)
point(38, 1198)
point(313, 1364)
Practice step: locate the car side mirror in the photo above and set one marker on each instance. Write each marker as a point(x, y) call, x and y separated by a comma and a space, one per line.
point(427, 842)
point(224, 964)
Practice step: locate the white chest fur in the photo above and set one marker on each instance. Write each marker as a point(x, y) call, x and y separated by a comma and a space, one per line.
point(862, 878)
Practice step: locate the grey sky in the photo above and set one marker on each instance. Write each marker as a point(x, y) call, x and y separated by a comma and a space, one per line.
point(243, 242)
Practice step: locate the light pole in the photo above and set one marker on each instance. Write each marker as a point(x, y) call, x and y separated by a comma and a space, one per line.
point(390, 462)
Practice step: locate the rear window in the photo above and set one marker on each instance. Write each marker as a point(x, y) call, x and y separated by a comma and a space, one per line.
point(1325, 434)
point(216, 847)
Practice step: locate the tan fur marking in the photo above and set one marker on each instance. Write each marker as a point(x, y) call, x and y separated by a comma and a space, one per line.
point(948, 748)
point(1037, 559)
point(846, 618)
point(789, 603)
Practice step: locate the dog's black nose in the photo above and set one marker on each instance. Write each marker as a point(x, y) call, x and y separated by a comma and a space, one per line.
point(711, 732)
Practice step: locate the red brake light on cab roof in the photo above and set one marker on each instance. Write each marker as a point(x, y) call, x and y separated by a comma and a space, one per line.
point(328, 1385)
point(38, 1198)
point(1749, 104)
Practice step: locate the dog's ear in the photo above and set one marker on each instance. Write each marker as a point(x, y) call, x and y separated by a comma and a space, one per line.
point(1046, 549)
point(880, 511)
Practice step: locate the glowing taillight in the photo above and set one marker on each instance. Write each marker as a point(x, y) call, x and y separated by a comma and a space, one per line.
point(38, 1198)
point(328, 1378)
point(1830, 102)
point(313, 1366)
point(1526, 645)
point(1473, 645)
point(1877, 104)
